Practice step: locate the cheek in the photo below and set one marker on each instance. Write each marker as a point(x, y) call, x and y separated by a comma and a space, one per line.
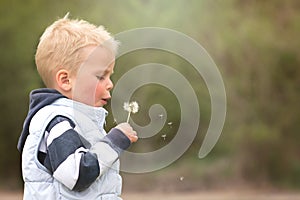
point(99, 90)
point(88, 86)
point(84, 92)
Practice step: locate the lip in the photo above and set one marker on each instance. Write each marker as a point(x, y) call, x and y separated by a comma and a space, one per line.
point(105, 100)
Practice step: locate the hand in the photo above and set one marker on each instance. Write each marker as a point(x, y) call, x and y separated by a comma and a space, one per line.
point(128, 131)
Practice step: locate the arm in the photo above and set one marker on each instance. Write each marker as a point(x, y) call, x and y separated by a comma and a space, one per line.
point(117, 140)
point(73, 164)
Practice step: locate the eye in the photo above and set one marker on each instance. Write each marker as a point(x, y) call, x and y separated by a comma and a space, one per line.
point(100, 78)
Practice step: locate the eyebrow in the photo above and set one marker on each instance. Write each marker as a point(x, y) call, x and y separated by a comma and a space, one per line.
point(108, 71)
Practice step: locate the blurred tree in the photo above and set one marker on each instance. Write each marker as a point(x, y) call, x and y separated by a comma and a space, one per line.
point(254, 43)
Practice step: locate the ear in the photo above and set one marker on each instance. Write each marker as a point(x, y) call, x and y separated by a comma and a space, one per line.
point(63, 80)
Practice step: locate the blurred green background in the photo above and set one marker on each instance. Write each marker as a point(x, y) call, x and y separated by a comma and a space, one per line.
point(255, 45)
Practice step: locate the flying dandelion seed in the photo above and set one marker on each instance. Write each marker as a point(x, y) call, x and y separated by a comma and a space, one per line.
point(132, 107)
point(164, 136)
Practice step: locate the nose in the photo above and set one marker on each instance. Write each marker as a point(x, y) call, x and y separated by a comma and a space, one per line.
point(110, 85)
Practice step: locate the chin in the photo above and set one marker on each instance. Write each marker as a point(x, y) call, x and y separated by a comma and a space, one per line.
point(98, 105)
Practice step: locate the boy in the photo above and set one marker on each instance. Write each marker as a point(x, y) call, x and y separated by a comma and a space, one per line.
point(66, 153)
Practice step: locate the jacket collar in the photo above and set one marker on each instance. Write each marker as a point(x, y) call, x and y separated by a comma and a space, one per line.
point(96, 114)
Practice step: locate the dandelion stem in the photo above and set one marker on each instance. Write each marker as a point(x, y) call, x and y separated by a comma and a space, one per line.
point(128, 117)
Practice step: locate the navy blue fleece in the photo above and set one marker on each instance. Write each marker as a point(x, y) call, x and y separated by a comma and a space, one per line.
point(39, 98)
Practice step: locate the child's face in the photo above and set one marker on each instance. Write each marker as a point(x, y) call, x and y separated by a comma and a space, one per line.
point(92, 83)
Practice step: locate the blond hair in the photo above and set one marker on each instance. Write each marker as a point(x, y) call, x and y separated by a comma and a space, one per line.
point(61, 45)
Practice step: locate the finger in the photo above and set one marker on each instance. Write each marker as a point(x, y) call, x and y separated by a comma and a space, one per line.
point(133, 138)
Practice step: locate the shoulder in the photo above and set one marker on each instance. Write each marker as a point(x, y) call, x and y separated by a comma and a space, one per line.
point(59, 120)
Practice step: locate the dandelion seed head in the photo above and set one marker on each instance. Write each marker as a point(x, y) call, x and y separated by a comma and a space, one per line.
point(131, 107)
point(126, 107)
point(134, 107)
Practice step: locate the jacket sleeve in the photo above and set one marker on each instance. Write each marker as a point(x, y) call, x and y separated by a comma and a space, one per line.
point(110, 148)
point(71, 162)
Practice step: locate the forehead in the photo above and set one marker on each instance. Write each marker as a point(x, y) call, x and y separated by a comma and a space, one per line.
point(98, 59)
